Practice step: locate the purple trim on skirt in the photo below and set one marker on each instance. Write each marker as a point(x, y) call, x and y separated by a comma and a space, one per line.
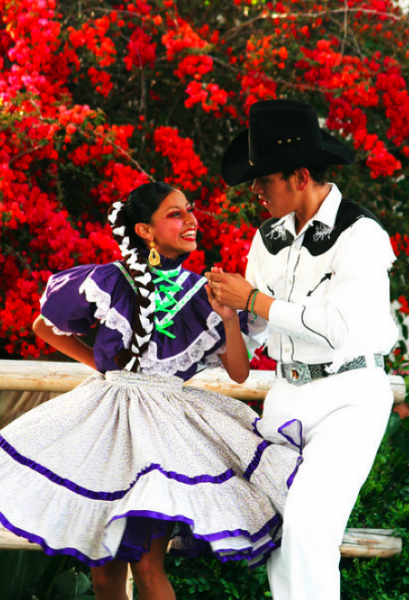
point(254, 424)
point(256, 459)
point(239, 555)
point(288, 437)
point(110, 496)
point(243, 554)
point(263, 559)
point(31, 537)
point(293, 474)
point(212, 537)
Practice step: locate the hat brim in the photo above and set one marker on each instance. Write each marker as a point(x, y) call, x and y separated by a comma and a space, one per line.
point(236, 167)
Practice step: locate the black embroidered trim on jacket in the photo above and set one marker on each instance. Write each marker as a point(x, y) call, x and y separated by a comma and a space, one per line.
point(318, 239)
point(275, 238)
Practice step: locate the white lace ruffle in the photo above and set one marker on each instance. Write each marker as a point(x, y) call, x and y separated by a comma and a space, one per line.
point(104, 313)
point(150, 363)
point(54, 328)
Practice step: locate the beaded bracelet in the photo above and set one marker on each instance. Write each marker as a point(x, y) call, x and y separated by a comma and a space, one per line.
point(248, 299)
point(252, 303)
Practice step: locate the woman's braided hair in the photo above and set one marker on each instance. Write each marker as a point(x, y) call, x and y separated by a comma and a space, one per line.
point(123, 216)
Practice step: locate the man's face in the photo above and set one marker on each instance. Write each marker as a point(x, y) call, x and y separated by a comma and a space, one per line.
point(276, 194)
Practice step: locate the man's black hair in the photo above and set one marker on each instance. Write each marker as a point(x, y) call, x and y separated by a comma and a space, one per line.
point(319, 174)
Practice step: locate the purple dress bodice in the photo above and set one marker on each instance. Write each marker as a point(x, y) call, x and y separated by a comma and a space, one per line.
point(77, 299)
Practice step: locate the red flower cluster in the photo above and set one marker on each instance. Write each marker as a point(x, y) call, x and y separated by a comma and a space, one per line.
point(101, 80)
point(196, 262)
point(159, 77)
point(95, 39)
point(400, 243)
point(194, 66)
point(233, 240)
point(404, 305)
point(211, 97)
point(181, 36)
point(141, 50)
point(186, 165)
point(349, 84)
point(262, 362)
point(257, 86)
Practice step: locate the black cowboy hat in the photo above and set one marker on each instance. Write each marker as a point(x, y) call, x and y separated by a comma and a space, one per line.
point(282, 135)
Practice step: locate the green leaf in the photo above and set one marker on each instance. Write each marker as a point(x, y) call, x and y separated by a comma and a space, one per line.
point(394, 424)
point(71, 585)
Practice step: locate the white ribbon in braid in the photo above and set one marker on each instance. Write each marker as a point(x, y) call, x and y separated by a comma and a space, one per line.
point(143, 323)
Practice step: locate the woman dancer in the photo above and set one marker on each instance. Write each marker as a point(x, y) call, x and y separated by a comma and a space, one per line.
point(103, 472)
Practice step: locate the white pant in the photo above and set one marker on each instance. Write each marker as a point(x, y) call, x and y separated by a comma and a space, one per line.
point(344, 418)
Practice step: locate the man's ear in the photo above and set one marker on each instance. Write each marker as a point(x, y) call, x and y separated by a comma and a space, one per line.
point(144, 231)
point(302, 177)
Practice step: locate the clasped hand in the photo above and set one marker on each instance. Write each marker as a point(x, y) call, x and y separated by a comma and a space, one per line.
point(228, 290)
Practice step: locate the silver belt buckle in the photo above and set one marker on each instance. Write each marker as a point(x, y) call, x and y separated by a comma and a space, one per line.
point(297, 373)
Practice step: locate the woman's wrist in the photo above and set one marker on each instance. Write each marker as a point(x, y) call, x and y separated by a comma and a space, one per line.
point(231, 321)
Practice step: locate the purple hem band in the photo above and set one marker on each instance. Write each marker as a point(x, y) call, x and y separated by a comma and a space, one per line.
point(118, 495)
point(256, 459)
point(294, 473)
point(243, 554)
point(110, 496)
point(275, 522)
point(288, 437)
point(254, 424)
point(31, 537)
point(264, 558)
point(239, 555)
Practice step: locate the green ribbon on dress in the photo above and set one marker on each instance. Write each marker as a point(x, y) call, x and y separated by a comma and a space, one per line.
point(169, 288)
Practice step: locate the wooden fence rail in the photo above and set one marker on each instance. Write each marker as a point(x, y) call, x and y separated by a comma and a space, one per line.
point(60, 377)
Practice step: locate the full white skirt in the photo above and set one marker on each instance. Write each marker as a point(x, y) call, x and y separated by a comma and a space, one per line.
point(98, 472)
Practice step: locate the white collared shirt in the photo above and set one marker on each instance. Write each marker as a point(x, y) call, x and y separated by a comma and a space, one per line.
point(330, 284)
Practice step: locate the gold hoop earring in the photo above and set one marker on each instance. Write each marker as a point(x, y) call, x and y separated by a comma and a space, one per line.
point(153, 258)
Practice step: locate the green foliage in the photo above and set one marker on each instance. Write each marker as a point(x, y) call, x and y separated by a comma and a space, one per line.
point(73, 585)
point(32, 575)
point(208, 579)
point(383, 504)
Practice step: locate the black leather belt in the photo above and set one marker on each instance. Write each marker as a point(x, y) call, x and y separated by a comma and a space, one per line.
point(300, 373)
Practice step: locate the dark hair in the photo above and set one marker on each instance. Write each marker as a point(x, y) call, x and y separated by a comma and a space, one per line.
point(140, 205)
point(319, 173)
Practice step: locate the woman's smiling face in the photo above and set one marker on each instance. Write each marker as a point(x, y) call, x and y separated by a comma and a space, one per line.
point(173, 226)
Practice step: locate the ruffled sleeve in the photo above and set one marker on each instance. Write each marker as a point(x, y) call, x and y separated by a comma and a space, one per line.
point(63, 306)
point(107, 289)
point(76, 299)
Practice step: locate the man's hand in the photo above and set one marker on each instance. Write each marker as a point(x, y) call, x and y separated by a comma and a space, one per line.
point(229, 289)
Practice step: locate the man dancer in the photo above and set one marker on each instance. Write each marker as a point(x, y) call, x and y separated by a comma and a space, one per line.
point(317, 280)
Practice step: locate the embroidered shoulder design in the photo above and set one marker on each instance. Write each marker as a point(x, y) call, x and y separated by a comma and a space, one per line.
point(322, 232)
point(275, 236)
point(320, 238)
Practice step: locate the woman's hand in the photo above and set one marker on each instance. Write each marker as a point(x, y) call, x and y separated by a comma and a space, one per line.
point(226, 313)
point(232, 290)
point(235, 359)
point(229, 289)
